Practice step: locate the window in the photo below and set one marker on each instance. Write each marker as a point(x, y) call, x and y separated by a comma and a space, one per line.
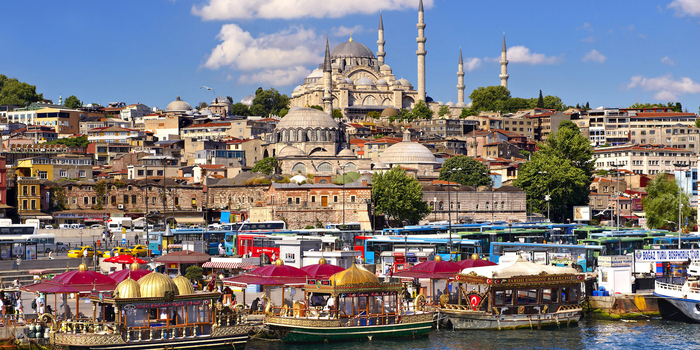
point(24, 204)
point(82, 173)
point(126, 199)
point(93, 200)
point(335, 199)
point(298, 200)
point(85, 200)
point(194, 202)
point(177, 201)
point(33, 188)
point(33, 204)
point(527, 296)
point(140, 173)
point(289, 200)
point(313, 199)
point(63, 174)
point(114, 200)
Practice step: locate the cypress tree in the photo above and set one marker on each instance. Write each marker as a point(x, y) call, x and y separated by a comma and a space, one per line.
point(540, 101)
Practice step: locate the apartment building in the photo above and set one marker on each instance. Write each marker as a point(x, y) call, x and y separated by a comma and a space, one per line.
point(643, 159)
point(113, 135)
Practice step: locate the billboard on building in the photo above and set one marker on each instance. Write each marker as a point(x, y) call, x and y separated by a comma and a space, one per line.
point(582, 213)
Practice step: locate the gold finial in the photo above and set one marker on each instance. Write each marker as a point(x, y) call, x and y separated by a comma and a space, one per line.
point(475, 256)
point(279, 262)
point(437, 258)
point(135, 266)
point(350, 37)
point(82, 267)
point(322, 261)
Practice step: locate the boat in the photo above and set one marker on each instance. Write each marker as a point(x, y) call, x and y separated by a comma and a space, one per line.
point(519, 294)
point(351, 305)
point(681, 302)
point(157, 312)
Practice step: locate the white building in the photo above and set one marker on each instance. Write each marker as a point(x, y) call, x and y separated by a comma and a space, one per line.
point(643, 159)
point(113, 135)
point(134, 112)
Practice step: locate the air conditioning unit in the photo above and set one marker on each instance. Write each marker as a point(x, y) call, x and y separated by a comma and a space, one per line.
point(120, 206)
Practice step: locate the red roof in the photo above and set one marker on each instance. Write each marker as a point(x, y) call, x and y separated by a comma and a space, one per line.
point(211, 166)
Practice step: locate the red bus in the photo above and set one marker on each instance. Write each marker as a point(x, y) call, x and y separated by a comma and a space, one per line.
point(259, 245)
point(360, 245)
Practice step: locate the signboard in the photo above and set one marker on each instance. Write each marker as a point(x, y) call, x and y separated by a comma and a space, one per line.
point(123, 241)
point(615, 261)
point(664, 255)
point(582, 213)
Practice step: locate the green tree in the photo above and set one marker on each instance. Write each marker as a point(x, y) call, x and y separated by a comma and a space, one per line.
point(398, 196)
point(525, 153)
point(194, 273)
point(100, 191)
point(270, 102)
point(473, 173)
point(267, 166)
point(72, 102)
point(540, 101)
point(466, 112)
point(337, 114)
point(697, 123)
point(202, 105)
point(240, 109)
point(80, 141)
point(661, 205)
point(554, 102)
point(484, 98)
point(421, 111)
point(568, 143)
point(443, 111)
point(588, 106)
point(18, 93)
point(374, 115)
point(283, 112)
point(316, 107)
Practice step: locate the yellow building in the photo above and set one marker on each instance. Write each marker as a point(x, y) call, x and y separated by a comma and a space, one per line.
point(65, 121)
point(59, 167)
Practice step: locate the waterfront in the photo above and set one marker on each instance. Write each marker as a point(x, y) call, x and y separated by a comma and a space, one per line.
point(591, 334)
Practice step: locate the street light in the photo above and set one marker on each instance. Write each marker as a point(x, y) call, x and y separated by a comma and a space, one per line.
point(547, 198)
point(435, 208)
point(449, 207)
point(680, 165)
point(617, 190)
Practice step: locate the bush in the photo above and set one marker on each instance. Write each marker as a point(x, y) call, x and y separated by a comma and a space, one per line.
point(194, 273)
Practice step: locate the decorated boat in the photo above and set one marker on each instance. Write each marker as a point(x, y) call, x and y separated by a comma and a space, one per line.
point(157, 312)
point(514, 295)
point(350, 305)
point(681, 302)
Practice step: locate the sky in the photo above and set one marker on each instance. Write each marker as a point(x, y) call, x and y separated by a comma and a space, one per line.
point(607, 53)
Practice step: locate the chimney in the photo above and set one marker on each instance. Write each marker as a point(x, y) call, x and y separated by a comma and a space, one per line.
point(364, 182)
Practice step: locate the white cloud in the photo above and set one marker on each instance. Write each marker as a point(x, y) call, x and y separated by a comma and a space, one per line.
point(594, 56)
point(665, 87)
point(589, 39)
point(276, 77)
point(685, 7)
point(668, 61)
point(521, 54)
point(282, 55)
point(472, 63)
point(585, 26)
point(347, 32)
point(287, 9)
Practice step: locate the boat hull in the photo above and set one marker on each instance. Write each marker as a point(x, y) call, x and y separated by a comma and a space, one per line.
point(679, 309)
point(475, 320)
point(319, 333)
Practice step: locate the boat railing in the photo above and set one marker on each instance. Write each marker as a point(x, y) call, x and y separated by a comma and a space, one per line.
point(286, 313)
point(685, 288)
point(167, 332)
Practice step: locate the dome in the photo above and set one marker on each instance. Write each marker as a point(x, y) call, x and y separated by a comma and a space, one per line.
point(82, 267)
point(316, 73)
point(382, 82)
point(322, 261)
point(365, 81)
point(365, 177)
point(351, 49)
point(298, 179)
point(291, 151)
point(349, 81)
point(396, 83)
point(345, 153)
point(440, 103)
point(127, 288)
point(306, 118)
point(178, 106)
point(405, 83)
point(407, 152)
point(353, 275)
point(389, 112)
point(184, 286)
point(155, 285)
point(134, 266)
point(298, 88)
point(461, 104)
point(384, 68)
point(450, 104)
point(220, 99)
point(248, 100)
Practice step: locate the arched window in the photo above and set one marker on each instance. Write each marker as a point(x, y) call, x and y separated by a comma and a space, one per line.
point(459, 205)
point(369, 101)
point(300, 136)
point(323, 135)
point(285, 136)
point(309, 135)
point(350, 166)
point(487, 205)
point(323, 181)
point(441, 206)
point(451, 206)
point(386, 102)
point(318, 135)
point(299, 167)
point(503, 205)
point(477, 206)
point(292, 135)
point(325, 167)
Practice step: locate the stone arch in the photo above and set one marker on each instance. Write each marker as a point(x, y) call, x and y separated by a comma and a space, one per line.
point(369, 101)
point(387, 102)
point(407, 102)
point(300, 135)
point(266, 154)
point(323, 181)
point(325, 167)
point(317, 149)
point(350, 166)
point(299, 167)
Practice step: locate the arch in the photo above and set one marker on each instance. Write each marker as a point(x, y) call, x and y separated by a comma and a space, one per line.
point(266, 154)
point(487, 205)
point(407, 102)
point(300, 135)
point(292, 136)
point(350, 166)
point(323, 181)
point(299, 167)
point(318, 135)
point(441, 206)
point(317, 149)
point(369, 101)
point(309, 135)
point(325, 167)
point(503, 205)
point(387, 102)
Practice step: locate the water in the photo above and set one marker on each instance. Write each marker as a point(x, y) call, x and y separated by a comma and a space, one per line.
point(590, 334)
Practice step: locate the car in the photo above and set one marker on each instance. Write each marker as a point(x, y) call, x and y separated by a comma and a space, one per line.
point(78, 252)
point(48, 227)
point(97, 227)
point(139, 250)
point(61, 247)
point(116, 251)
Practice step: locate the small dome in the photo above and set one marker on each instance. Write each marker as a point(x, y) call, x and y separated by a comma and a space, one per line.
point(248, 100)
point(396, 83)
point(345, 153)
point(390, 112)
point(461, 104)
point(184, 286)
point(126, 289)
point(298, 179)
point(300, 117)
point(322, 261)
point(82, 267)
point(405, 83)
point(316, 73)
point(134, 266)
point(354, 276)
point(450, 104)
point(298, 88)
point(178, 106)
point(382, 82)
point(440, 103)
point(155, 285)
point(220, 100)
point(351, 49)
point(365, 82)
point(349, 81)
point(279, 262)
point(407, 152)
point(291, 151)
point(384, 68)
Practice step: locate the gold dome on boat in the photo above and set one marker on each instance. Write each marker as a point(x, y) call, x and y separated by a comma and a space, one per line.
point(279, 262)
point(353, 275)
point(82, 267)
point(135, 266)
point(437, 258)
point(155, 285)
point(127, 288)
point(184, 287)
point(322, 261)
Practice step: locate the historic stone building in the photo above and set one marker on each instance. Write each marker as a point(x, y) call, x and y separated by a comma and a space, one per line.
point(506, 203)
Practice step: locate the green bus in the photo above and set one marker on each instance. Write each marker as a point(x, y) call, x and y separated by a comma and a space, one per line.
point(616, 245)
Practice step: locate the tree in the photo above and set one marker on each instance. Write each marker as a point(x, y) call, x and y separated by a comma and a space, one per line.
point(466, 112)
point(337, 114)
point(316, 107)
point(270, 102)
point(525, 153)
point(697, 123)
point(202, 105)
point(240, 109)
point(194, 273)
point(540, 101)
point(661, 205)
point(399, 196)
point(473, 173)
point(554, 102)
point(421, 111)
point(374, 115)
point(17, 93)
point(484, 98)
point(444, 110)
point(266, 166)
point(568, 143)
point(230, 99)
point(72, 102)
point(80, 141)
point(283, 112)
point(587, 106)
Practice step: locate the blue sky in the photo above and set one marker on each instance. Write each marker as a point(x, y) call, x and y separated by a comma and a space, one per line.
point(609, 53)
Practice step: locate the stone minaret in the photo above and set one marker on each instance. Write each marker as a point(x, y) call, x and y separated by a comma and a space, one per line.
point(504, 64)
point(327, 83)
point(460, 81)
point(380, 41)
point(421, 52)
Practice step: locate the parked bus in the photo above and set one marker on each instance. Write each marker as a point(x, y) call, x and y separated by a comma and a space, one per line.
point(212, 239)
point(266, 226)
point(351, 226)
point(616, 245)
point(671, 242)
point(584, 257)
point(18, 229)
point(461, 248)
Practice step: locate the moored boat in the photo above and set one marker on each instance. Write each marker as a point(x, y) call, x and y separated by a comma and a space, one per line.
point(681, 302)
point(351, 305)
point(514, 295)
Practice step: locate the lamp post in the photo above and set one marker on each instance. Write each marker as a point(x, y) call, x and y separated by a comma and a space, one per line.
point(547, 197)
point(449, 208)
point(617, 190)
point(680, 165)
point(148, 240)
point(435, 208)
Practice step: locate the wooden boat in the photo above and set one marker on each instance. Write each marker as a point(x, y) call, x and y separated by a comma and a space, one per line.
point(350, 305)
point(156, 312)
point(514, 295)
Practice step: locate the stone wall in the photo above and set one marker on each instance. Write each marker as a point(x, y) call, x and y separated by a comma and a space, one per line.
point(510, 206)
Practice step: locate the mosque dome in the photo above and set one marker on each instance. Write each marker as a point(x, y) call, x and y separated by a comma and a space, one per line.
point(385, 68)
point(155, 285)
point(316, 73)
point(178, 106)
point(351, 49)
point(349, 81)
point(407, 152)
point(291, 151)
point(382, 82)
point(365, 81)
point(304, 118)
point(440, 103)
point(248, 100)
point(220, 99)
point(127, 288)
point(389, 112)
point(405, 83)
point(353, 276)
point(450, 104)
point(298, 88)
point(461, 104)
point(184, 286)
point(396, 83)
point(345, 153)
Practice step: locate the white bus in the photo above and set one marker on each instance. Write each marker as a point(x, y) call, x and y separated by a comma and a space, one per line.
point(115, 225)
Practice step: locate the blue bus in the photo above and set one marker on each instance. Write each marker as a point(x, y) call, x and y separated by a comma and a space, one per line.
point(177, 236)
point(583, 257)
point(671, 242)
point(461, 248)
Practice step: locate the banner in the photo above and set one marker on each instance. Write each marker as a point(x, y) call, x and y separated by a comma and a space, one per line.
point(582, 213)
point(663, 255)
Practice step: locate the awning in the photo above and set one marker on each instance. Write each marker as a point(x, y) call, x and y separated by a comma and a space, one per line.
point(40, 217)
point(189, 220)
point(630, 217)
point(93, 219)
point(226, 265)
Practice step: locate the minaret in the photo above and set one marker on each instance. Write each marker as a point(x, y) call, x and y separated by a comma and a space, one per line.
point(504, 64)
point(327, 84)
point(421, 52)
point(380, 41)
point(460, 81)
point(60, 99)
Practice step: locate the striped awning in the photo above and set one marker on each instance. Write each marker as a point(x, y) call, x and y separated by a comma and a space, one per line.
point(226, 265)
